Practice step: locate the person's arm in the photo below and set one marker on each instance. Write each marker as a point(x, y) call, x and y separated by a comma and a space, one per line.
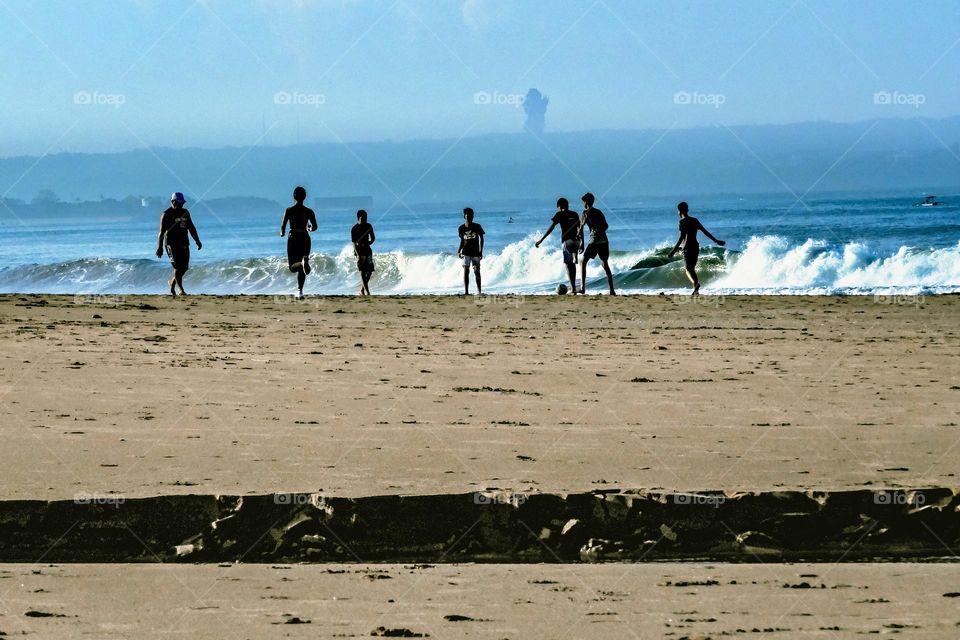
point(676, 247)
point(373, 236)
point(710, 235)
point(549, 231)
point(160, 235)
point(460, 248)
point(312, 221)
point(583, 221)
point(283, 224)
point(193, 232)
point(481, 242)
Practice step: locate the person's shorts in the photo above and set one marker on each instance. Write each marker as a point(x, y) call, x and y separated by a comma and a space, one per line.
point(570, 250)
point(471, 260)
point(179, 256)
point(597, 250)
point(298, 246)
point(690, 257)
point(365, 264)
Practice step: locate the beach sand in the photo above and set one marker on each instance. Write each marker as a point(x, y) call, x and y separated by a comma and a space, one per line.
point(143, 396)
point(481, 601)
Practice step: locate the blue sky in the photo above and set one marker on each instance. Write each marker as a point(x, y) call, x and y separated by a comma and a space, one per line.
point(119, 74)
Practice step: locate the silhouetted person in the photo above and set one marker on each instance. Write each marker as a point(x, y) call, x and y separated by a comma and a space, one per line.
point(599, 246)
point(302, 221)
point(176, 227)
point(569, 238)
point(691, 247)
point(471, 249)
point(363, 236)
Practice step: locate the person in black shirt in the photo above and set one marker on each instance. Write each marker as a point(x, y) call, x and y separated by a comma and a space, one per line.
point(302, 221)
point(599, 246)
point(176, 227)
point(471, 249)
point(362, 236)
point(569, 238)
point(691, 247)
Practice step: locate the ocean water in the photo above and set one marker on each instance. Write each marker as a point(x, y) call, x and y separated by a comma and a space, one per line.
point(850, 245)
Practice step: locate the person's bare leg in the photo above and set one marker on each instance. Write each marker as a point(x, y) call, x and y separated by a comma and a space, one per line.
point(583, 276)
point(178, 274)
point(172, 283)
point(572, 275)
point(606, 267)
point(365, 283)
point(466, 281)
point(476, 271)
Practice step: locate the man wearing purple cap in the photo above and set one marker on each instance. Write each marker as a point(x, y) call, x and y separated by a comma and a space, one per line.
point(175, 224)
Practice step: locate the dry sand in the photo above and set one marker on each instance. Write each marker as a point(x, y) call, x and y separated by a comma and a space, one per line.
point(499, 601)
point(421, 395)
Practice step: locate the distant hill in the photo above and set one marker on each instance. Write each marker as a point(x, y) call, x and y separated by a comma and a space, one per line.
point(917, 155)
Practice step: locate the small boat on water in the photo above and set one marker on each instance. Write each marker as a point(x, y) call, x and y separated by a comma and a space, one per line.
point(929, 201)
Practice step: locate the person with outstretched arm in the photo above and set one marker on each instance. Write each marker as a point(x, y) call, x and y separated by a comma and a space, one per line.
point(471, 249)
point(599, 246)
point(302, 221)
point(363, 237)
point(689, 226)
point(176, 227)
point(569, 238)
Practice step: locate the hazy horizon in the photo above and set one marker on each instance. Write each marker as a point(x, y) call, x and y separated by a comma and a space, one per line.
point(214, 74)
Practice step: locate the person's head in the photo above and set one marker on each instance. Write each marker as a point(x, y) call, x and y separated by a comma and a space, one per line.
point(562, 204)
point(177, 200)
point(682, 209)
point(588, 200)
point(300, 194)
point(361, 216)
point(468, 215)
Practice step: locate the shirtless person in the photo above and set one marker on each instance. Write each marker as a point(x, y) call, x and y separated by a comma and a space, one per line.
point(691, 247)
point(175, 225)
point(302, 221)
point(362, 236)
point(569, 238)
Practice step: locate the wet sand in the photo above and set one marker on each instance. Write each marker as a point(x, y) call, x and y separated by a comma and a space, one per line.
point(143, 396)
point(481, 601)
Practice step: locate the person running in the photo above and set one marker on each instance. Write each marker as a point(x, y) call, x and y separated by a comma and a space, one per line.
point(302, 221)
point(691, 247)
point(471, 249)
point(599, 246)
point(569, 238)
point(176, 227)
point(363, 236)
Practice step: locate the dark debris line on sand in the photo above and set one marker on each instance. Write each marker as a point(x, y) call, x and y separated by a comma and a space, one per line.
point(605, 525)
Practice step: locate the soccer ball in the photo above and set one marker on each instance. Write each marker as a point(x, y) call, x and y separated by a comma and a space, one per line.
point(561, 289)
